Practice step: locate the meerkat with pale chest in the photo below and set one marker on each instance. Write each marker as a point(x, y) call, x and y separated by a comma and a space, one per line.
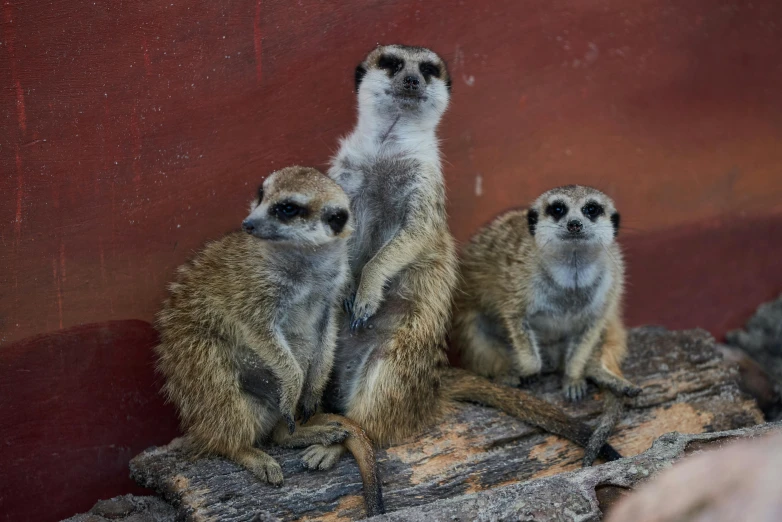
point(541, 291)
point(248, 332)
point(390, 373)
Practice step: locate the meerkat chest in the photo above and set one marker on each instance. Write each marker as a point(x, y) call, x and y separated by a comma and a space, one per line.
point(380, 194)
point(304, 308)
point(557, 311)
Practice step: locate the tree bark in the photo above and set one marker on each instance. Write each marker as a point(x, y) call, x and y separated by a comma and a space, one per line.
point(687, 387)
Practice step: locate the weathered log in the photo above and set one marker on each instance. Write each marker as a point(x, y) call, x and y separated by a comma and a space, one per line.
point(128, 508)
point(583, 495)
point(687, 388)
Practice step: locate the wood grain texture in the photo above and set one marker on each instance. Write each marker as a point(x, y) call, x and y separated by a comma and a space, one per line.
point(132, 133)
point(586, 494)
point(687, 388)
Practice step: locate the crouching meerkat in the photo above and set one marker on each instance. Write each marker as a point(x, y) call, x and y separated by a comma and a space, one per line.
point(541, 291)
point(248, 333)
point(390, 373)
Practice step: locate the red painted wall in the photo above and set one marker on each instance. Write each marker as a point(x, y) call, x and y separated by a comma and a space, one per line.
point(134, 131)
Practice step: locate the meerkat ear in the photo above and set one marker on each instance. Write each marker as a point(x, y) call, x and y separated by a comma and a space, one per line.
point(615, 222)
point(448, 84)
point(361, 71)
point(336, 220)
point(532, 220)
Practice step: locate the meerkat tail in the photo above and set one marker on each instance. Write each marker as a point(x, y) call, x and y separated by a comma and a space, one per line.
point(359, 445)
point(612, 412)
point(463, 386)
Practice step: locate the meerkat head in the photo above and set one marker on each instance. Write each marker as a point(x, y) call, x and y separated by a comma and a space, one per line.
point(299, 204)
point(573, 216)
point(397, 79)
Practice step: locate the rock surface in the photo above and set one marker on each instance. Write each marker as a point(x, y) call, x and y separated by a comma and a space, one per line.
point(688, 388)
point(761, 339)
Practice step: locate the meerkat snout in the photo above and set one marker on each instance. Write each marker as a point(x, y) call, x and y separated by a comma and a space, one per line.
point(411, 83)
point(248, 226)
point(574, 226)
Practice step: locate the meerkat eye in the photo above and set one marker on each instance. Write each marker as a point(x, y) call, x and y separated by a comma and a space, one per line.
point(428, 69)
point(286, 211)
point(592, 210)
point(556, 210)
point(390, 63)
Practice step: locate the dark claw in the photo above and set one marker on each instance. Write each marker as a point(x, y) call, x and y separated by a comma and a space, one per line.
point(632, 391)
point(360, 322)
point(291, 423)
point(530, 379)
point(307, 414)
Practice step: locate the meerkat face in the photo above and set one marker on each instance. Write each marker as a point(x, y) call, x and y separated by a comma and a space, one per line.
point(573, 216)
point(298, 204)
point(394, 78)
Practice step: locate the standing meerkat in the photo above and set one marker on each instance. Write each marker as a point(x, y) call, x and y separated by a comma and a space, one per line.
point(248, 333)
point(390, 373)
point(541, 291)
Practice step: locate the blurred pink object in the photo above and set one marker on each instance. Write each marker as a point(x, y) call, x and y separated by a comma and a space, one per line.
point(741, 482)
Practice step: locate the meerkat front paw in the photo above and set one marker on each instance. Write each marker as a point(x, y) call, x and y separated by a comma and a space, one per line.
point(322, 457)
point(365, 304)
point(529, 365)
point(574, 389)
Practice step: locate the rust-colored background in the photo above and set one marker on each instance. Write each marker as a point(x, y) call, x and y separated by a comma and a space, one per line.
point(134, 131)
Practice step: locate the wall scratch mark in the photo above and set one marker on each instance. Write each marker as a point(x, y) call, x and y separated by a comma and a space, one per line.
point(20, 111)
point(257, 39)
point(21, 114)
point(62, 262)
point(134, 129)
point(19, 197)
point(58, 288)
point(147, 60)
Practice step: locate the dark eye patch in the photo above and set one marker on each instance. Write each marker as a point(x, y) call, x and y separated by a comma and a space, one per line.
point(336, 219)
point(428, 69)
point(557, 210)
point(392, 64)
point(287, 210)
point(532, 221)
point(615, 222)
point(592, 210)
point(361, 71)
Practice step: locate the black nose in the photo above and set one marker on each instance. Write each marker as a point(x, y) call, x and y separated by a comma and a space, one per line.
point(248, 226)
point(411, 83)
point(574, 225)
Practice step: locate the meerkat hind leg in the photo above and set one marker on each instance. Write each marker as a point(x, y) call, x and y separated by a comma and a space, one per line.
point(600, 375)
point(260, 464)
point(321, 457)
point(327, 433)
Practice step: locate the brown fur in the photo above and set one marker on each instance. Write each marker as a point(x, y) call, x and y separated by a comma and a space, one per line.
point(236, 362)
point(501, 274)
point(404, 291)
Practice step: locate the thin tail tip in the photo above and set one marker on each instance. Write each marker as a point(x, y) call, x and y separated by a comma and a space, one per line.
point(375, 504)
point(609, 453)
